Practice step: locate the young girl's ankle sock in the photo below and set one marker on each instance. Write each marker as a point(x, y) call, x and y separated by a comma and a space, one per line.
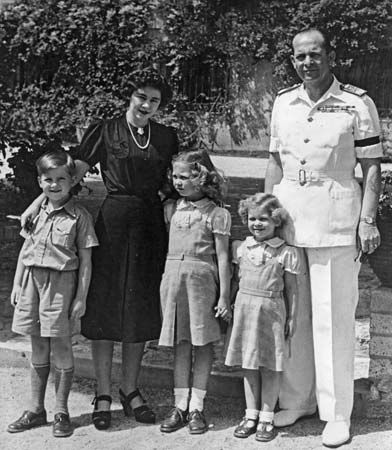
point(252, 414)
point(39, 374)
point(266, 416)
point(181, 398)
point(197, 399)
point(62, 383)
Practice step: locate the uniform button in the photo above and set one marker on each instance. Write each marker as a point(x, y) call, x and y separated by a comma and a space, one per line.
point(310, 119)
point(306, 140)
point(303, 161)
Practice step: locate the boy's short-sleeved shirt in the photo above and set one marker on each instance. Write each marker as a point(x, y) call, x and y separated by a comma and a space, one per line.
point(57, 235)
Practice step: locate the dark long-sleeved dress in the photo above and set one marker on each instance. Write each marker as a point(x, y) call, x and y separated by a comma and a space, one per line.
point(123, 299)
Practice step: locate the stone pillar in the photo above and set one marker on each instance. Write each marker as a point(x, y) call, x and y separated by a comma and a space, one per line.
point(380, 371)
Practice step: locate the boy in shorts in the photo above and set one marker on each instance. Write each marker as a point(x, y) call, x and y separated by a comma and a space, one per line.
point(50, 288)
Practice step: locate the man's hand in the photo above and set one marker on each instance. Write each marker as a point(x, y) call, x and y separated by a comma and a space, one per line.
point(369, 237)
point(289, 328)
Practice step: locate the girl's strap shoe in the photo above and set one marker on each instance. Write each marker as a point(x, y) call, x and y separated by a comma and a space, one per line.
point(143, 413)
point(245, 428)
point(265, 432)
point(101, 419)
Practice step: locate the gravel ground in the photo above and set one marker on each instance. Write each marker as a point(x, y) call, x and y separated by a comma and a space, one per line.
point(222, 413)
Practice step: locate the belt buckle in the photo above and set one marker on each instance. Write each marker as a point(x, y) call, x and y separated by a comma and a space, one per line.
point(302, 177)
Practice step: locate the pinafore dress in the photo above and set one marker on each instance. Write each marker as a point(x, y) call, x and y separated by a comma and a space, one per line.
point(257, 335)
point(190, 287)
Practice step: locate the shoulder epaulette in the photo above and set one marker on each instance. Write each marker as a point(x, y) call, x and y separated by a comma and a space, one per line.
point(288, 89)
point(353, 89)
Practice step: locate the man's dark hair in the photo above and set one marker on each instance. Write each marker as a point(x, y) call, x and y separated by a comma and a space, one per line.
point(324, 35)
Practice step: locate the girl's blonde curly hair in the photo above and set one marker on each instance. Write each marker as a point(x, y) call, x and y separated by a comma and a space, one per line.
point(266, 201)
point(204, 174)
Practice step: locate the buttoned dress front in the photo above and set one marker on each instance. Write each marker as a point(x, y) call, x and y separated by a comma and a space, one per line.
point(257, 336)
point(190, 283)
point(123, 299)
point(319, 144)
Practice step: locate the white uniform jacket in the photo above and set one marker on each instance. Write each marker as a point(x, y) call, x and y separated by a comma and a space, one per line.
point(319, 145)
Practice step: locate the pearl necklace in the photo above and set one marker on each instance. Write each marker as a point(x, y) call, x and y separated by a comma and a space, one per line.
point(141, 132)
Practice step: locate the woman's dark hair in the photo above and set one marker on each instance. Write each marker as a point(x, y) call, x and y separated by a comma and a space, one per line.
point(204, 174)
point(151, 78)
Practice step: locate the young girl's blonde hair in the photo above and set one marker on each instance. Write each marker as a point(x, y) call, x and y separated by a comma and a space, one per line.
point(266, 201)
point(204, 174)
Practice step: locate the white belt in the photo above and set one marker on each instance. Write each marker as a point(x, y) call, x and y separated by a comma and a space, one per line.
point(304, 176)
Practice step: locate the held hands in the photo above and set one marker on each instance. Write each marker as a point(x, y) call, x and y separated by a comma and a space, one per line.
point(369, 237)
point(223, 309)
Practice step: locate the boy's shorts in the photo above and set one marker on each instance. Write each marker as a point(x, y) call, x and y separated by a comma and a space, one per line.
point(44, 302)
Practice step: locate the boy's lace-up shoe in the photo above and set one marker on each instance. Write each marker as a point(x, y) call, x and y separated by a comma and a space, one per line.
point(27, 420)
point(62, 426)
point(197, 422)
point(176, 419)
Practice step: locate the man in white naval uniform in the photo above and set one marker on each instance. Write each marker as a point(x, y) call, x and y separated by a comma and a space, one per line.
point(320, 129)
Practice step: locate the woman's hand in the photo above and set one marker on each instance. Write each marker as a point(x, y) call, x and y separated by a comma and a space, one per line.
point(28, 216)
point(223, 309)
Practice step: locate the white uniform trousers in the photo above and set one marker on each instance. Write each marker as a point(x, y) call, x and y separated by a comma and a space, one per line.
point(334, 291)
point(298, 379)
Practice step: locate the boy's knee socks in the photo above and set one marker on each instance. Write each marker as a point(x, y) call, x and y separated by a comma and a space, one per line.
point(39, 374)
point(62, 382)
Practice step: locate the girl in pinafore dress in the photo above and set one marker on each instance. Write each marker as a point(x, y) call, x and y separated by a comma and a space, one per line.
point(196, 284)
point(264, 311)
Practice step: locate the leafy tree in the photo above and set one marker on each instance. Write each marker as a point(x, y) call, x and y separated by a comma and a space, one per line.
point(65, 64)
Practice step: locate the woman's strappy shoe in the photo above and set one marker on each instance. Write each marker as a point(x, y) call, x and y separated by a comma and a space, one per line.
point(101, 419)
point(143, 413)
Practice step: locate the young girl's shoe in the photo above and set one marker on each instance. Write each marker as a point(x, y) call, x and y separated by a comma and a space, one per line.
point(143, 413)
point(197, 422)
point(245, 428)
point(265, 432)
point(101, 419)
point(176, 419)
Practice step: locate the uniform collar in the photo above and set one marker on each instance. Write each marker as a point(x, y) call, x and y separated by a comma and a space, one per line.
point(333, 91)
point(274, 242)
point(199, 204)
point(68, 207)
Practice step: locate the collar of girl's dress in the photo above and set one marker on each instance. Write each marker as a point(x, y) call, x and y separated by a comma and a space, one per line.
point(274, 242)
point(200, 204)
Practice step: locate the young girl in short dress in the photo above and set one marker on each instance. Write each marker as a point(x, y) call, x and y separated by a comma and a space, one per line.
point(264, 311)
point(195, 288)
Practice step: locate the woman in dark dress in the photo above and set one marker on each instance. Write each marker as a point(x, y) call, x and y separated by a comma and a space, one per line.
point(134, 153)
